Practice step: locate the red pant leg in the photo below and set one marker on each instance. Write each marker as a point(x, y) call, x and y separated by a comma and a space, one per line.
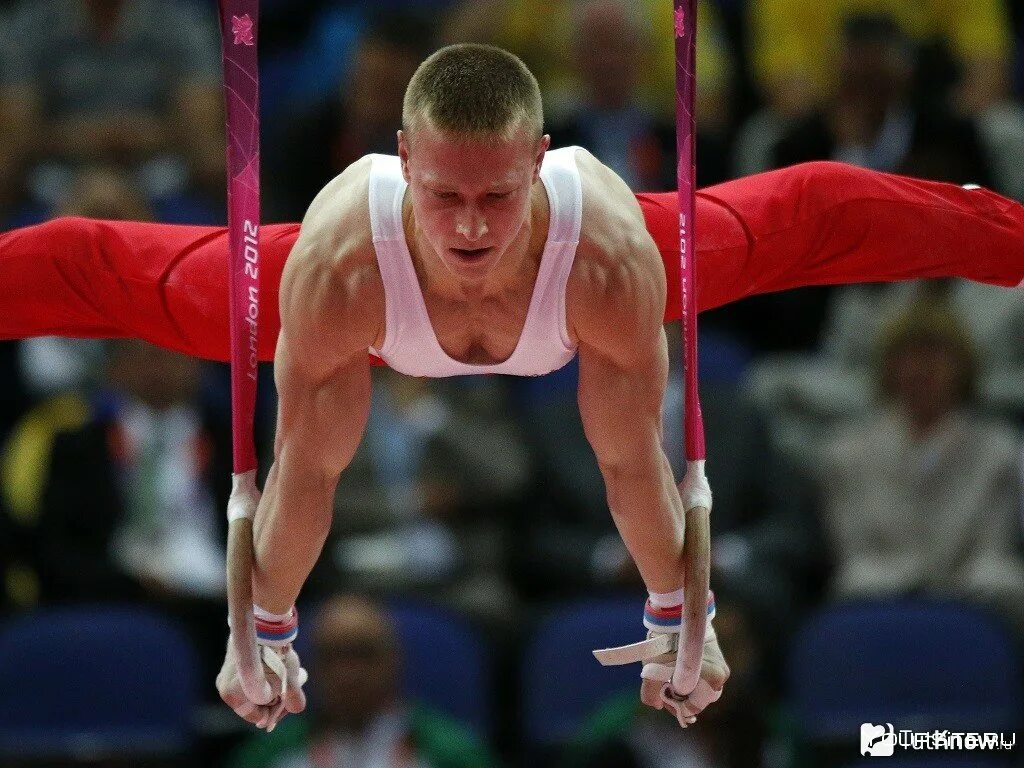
point(160, 282)
point(828, 223)
point(812, 224)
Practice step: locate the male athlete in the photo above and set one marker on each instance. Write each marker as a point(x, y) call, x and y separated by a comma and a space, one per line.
point(476, 250)
point(479, 250)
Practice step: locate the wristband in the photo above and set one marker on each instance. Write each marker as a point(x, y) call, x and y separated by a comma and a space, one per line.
point(667, 599)
point(670, 619)
point(276, 630)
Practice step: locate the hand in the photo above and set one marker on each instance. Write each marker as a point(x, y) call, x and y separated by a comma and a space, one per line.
point(275, 690)
point(695, 493)
point(714, 672)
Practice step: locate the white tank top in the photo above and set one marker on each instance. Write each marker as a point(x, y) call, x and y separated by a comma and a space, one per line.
point(410, 344)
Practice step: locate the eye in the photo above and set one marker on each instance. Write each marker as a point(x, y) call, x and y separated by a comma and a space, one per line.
point(443, 195)
point(498, 195)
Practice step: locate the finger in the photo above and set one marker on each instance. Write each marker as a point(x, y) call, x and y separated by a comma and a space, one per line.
point(703, 695)
point(233, 696)
point(677, 706)
point(677, 702)
point(276, 716)
point(697, 559)
point(294, 699)
point(650, 693)
point(252, 713)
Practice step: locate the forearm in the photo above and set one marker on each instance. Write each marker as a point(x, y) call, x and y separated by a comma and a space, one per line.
point(645, 505)
point(291, 526)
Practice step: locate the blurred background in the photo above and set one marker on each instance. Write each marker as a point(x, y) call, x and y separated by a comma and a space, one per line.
point(865, 442)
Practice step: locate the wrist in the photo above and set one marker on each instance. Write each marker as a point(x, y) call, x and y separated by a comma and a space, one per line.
point(659, 617)
point(276, 629)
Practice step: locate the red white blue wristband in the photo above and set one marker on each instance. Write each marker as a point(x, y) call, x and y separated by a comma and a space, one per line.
point(670, 619)
point(276, 630)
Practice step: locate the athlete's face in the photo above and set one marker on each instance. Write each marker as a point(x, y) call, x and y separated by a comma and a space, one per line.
point(471, 199)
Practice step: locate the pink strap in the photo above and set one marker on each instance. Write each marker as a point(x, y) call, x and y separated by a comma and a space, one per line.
point(686, 143)
point(241, 97)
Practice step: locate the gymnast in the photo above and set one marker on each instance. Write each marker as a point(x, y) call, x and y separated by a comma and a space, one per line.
point(480, 250)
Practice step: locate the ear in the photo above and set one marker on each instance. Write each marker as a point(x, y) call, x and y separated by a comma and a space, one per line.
point(403, 155)
point(543, 145)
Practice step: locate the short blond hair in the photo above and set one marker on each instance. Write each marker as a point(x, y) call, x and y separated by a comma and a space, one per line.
point(474, 90)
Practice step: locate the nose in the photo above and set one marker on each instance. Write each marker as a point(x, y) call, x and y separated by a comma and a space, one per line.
point(471, 224)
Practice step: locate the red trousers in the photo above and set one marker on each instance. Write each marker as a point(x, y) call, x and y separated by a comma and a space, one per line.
point(812, 224)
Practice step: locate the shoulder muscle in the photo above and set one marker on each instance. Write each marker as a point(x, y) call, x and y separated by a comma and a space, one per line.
point(615, 298)
point(332, 300)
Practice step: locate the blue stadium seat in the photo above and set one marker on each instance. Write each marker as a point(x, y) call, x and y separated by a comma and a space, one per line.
point(445, 663)
point(95, 680)
point(921, 665)
point(562, 683)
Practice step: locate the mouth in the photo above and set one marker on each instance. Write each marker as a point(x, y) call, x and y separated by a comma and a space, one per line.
point(470, 254)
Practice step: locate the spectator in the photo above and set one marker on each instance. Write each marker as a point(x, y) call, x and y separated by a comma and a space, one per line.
point(608, 112)
point(995, 319)
point(872, 121)
point(792, 43)
point(357, 715)
point(965, 71)
point(121, 495)
point(130, 82)
point(608, 118)
point(361, 118)
point(806, 394)
point(13, 396)
point(925, 497)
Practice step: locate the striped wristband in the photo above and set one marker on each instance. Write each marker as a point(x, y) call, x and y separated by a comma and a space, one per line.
point(276, 630)
point(670, 619)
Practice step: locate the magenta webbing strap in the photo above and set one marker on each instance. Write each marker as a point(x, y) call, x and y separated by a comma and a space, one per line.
point(239, 24)
point(686, 165)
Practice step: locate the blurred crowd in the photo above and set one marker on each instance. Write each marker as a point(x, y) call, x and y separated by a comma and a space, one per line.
point(863, 442)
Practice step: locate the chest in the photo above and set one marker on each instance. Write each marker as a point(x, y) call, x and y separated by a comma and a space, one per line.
point(479, 333)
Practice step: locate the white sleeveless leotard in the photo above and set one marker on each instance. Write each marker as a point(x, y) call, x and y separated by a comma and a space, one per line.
point(410, 344)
